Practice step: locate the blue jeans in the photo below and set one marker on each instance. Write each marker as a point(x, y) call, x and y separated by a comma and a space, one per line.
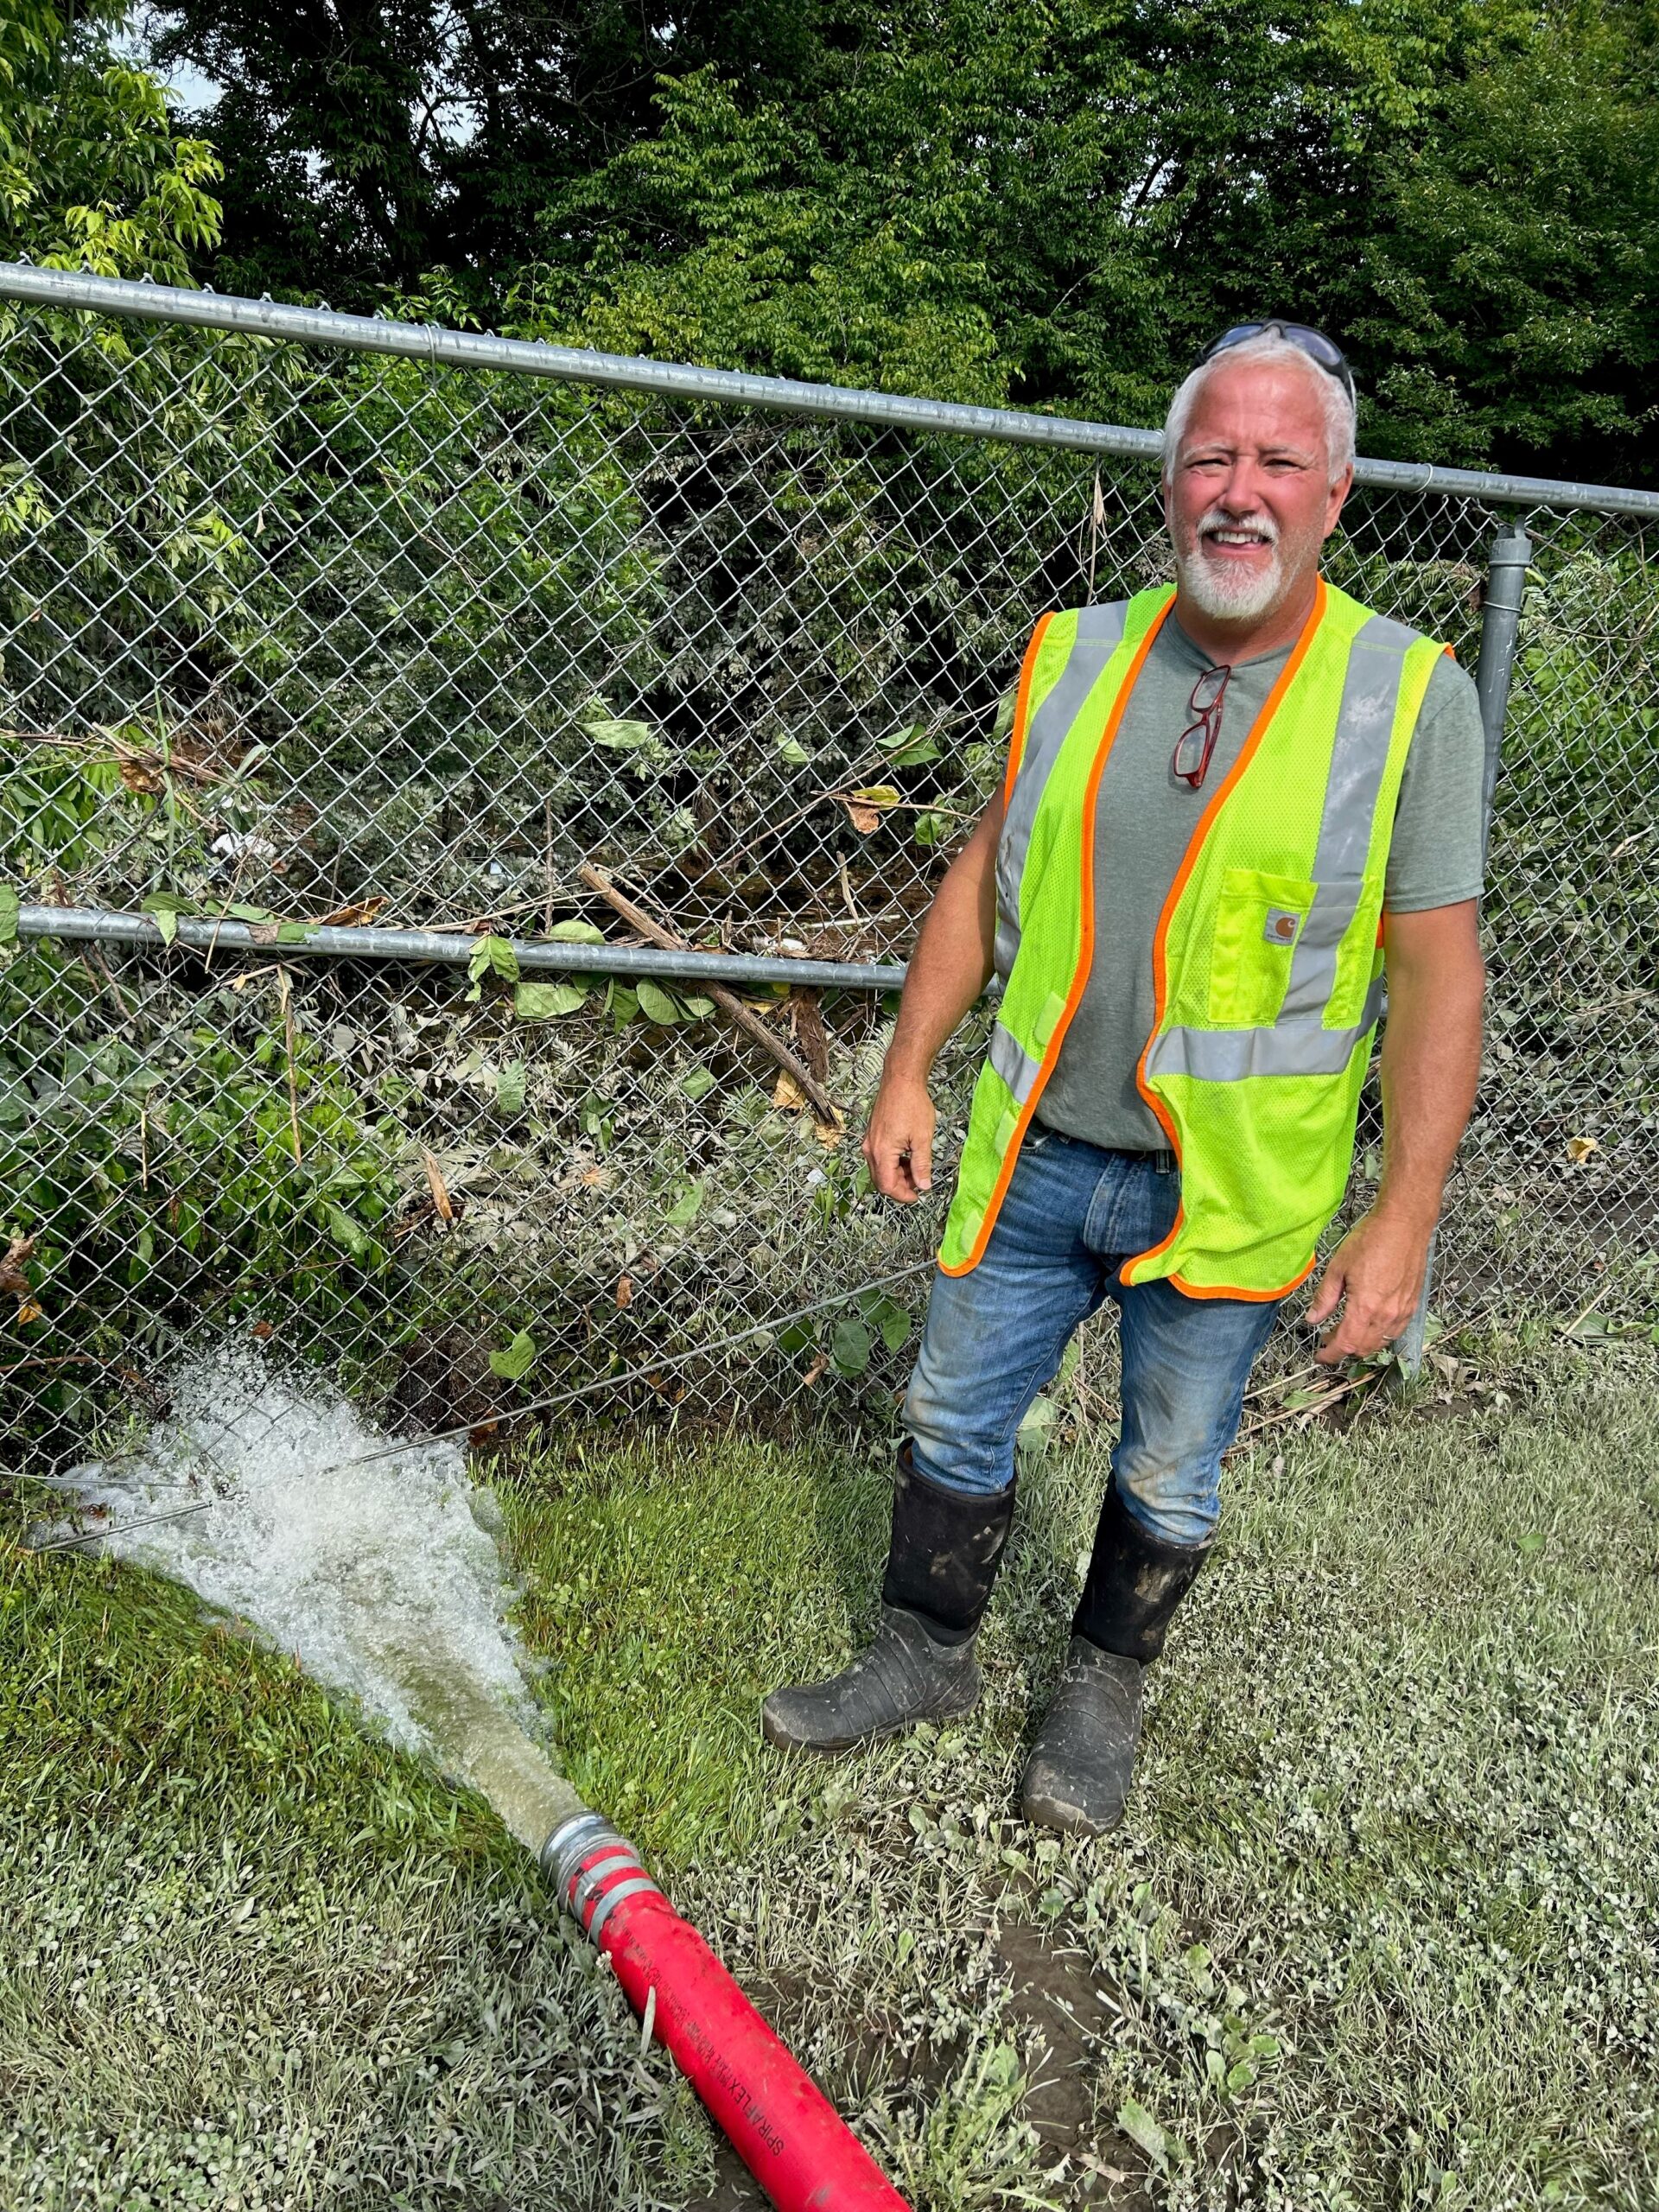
point(1071, 1215)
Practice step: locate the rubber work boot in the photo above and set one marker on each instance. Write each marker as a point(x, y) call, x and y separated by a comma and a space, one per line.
point(941, 1563)
point(1077, 1776)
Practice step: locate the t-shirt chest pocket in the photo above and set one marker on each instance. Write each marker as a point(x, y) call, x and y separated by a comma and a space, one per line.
point(1259, 922)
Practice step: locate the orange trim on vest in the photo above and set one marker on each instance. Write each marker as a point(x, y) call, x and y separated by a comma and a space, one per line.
point(1086, 953)
point(1160, 961)
point(1022, 709)
point(1258, 1297)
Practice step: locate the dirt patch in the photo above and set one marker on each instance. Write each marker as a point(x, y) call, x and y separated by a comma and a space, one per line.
point(736, 2189)
point(1055, 1997)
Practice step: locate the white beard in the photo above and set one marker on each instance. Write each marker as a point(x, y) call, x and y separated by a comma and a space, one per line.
point(1225, 592)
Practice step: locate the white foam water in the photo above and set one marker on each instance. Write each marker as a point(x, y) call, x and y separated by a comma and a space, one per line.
point(382, 1580)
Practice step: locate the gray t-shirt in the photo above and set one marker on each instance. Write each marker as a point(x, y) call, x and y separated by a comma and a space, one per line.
point(1144, 821)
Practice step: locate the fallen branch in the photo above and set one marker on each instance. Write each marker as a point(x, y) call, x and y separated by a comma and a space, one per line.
point(141, 761)
point(732, 1006)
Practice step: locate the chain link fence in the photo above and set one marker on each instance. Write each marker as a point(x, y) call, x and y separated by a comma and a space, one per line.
point(307, 644)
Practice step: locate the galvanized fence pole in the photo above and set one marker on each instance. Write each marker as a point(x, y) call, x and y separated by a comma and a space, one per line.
point(1507, 562)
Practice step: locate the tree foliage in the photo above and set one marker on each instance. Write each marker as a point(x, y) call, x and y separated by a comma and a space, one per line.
point(1003, 200)
point(977, 198)
point(91, 173)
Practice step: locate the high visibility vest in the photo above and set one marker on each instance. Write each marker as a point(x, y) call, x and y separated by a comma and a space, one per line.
point(1266, 960)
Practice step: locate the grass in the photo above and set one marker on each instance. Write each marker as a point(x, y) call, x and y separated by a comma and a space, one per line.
point(1380, 1933)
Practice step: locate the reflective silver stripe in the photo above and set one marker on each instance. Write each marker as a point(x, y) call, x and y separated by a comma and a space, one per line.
point(589, 1880)
point(612, 1899)
point(1290, 1048)
point(1012, 1063)
point(1099, 634)
point(1370, 694)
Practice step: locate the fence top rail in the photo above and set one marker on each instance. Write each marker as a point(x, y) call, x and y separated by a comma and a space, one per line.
point(265, 318)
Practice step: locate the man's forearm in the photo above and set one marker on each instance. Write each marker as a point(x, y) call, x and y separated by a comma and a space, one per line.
point(1430, 1065)
point(1431, 1060)
point(949, 968)
point(952, 961)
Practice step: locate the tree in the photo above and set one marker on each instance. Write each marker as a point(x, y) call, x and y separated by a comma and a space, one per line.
point(371, 141)
point(91, 173)
point(986, 199)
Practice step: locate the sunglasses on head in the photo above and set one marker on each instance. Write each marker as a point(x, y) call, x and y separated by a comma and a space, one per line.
point(1314, 343)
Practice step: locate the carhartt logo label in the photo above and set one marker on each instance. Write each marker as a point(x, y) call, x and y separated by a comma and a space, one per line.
point(1281, 926)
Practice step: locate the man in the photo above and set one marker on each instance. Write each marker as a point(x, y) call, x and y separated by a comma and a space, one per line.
point(1227, 808)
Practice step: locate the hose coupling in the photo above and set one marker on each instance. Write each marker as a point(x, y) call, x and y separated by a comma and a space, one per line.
point(592, 1870)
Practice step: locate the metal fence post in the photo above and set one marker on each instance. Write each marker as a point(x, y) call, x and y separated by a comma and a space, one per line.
point(1507, 559)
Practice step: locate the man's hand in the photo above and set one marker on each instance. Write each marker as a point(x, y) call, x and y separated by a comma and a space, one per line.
point(899, 1144)
point(1374, 1275)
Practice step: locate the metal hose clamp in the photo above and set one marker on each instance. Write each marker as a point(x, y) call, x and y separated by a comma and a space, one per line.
point(585, 1853)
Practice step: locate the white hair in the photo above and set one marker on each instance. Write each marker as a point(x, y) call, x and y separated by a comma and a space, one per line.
point(1270, 348)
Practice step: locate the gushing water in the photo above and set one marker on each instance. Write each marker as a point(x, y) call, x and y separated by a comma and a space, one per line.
point(382, 1580)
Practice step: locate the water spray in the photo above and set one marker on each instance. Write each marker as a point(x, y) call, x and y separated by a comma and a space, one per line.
point(374, 1564)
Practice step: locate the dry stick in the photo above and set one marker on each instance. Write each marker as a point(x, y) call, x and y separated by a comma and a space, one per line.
point(285, 987)
point(819, 1099)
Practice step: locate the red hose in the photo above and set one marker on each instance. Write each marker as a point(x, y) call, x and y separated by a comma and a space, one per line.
point(780, 2123)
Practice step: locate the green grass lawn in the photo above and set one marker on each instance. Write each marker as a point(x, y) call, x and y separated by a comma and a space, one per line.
point(1381, 1931)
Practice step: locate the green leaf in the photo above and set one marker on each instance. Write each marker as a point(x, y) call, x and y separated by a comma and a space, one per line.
point(655, 1003)
point(491, 955)
point(165, 907)
point(896, 740)
point(850, 1346)
point(686, 1207)
point(792, 750)
point(510, 1088)
point(575, 932)
point(547, 1001)
point(1040, 1416)
point(699, 1009)
point(348, 1232)
point(1143, 2130)
point(516, 1359)
point(8, 906)
point(621, 737)
point(1004, 723)
point(895, 1326)
point(914, 755)
point(621, 1003)
point(293, 932)
point(698, 1083)
point(930, 828)
point(888, 1316)
point(1531, 1544)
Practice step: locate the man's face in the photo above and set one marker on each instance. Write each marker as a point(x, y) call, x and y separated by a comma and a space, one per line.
point(1249, 499)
